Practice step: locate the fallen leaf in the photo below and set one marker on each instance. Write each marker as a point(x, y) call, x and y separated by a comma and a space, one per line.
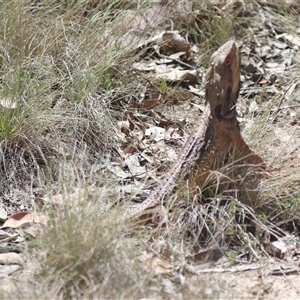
point(11, 258)
point(158, 265)
point(172, 134)
point(130, 149)
point(125, 127)
point(290, 38)
point(176, 56)
point(146, 104)
point(197, 91)
point(7, 284)
point(21, 218)
point(55, 199)
point(141, 66)
point(174, 75)
point(133, 164)
point(250, 68)
point(253, 107)
point(117, 170)
point(35, 229)
point(141, 133)
point(277, 248)
point(156, 133)
point(173, 42)
point(6, 236)
point(276, 43)
point(198, 269)
point(3, 213)
point(165, 122)
point(7, 270)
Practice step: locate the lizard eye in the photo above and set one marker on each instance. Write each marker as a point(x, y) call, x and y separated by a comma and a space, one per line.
point(227, 61)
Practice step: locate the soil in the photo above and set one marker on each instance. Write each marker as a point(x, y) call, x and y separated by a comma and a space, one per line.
point(269, 65)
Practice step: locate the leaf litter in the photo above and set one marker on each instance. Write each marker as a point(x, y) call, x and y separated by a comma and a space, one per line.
point(266, 63)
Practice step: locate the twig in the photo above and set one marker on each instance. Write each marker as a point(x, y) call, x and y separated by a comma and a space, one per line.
point(178, 61)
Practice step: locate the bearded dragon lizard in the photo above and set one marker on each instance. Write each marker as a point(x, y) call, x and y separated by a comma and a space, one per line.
point(216, 136)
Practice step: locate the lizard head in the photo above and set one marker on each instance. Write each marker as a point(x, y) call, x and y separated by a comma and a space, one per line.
point(223, 81)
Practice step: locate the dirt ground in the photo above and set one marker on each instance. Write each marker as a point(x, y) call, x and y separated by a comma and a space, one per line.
point(254, 285)
point(166, 112)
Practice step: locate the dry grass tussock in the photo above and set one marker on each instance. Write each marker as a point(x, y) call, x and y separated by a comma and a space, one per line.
point(55, 63)
point(65, 79)
point(82, 255)
point(58, 64)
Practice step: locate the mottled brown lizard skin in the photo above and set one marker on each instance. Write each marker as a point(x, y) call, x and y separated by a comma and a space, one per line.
point(216, 135)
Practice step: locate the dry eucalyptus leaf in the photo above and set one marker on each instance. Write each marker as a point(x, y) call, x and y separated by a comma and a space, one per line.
point(208, 256)
point(3, 213)
point(155, 39)
point(11, 258)
point(174, 75)
point(35, 229)
point(277, 44)
point(290, 38)
point(201, 107)
point(4, 234)
point(197, 91)
point(253, 107)
point(146, 104)
point(156, 14)
point(283, 135)
point(142, 66)
point(124, 127)
point(265, 51)
point(117, 170)
point(172, 134)
point(168, 153)
point(173, 42)
point(156, 133)
point(165, 122)
point(133, 164)
point(277, 248)
point(250, 68)
point(163, 68)
point(7, 270)
point(21, 218)
point(131, 148)
point(158, 265)
point(79, 194)
point(291, 90)
point(130, 188)
point(145, 20)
